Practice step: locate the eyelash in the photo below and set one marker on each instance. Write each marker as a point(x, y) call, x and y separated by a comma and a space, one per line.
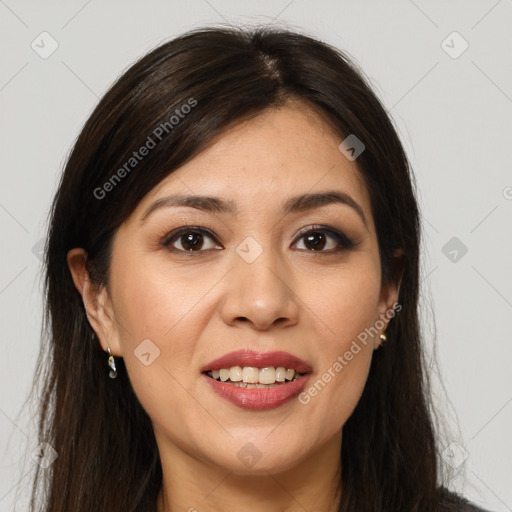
point(345, 243)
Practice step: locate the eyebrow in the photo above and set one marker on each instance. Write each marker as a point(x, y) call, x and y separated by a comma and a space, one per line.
point(294, 204)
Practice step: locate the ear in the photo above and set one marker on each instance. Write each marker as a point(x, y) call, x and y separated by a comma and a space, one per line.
point(389, 295)
point(97, 302)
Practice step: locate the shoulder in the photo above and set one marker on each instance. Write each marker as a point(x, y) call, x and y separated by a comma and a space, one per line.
point(452, 502)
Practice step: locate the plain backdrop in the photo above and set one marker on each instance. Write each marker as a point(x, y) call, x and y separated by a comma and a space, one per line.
point(444, 72)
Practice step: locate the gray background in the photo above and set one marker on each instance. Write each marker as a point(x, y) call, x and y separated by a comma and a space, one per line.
point(453, 111)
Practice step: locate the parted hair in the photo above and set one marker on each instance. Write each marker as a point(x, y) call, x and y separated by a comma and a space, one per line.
point(107, 454)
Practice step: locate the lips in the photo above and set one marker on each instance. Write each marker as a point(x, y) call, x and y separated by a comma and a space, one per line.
point(258, 397)
point(259, 360)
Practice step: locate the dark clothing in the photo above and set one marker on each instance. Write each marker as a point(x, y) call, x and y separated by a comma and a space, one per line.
point(453, 502)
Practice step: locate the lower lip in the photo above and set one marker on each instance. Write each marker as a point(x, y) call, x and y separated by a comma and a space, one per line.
point(258, 399)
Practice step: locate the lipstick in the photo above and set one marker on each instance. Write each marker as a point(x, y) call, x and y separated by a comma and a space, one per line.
point(257, 399)
point(259, 360)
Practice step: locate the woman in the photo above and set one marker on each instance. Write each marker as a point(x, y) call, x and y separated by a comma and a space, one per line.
point(232, 289)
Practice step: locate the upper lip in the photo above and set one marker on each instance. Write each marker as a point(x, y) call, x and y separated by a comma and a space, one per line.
point(259, 360)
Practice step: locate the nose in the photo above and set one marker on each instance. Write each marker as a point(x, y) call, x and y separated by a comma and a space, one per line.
point(260, 293)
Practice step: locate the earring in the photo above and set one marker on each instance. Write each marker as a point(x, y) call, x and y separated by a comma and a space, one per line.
point(383, 337)
point(111, 362)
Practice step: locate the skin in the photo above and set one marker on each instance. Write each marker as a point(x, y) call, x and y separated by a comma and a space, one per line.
point(197, 307)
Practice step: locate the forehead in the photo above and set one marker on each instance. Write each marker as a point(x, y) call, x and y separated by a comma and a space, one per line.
point(262, 161)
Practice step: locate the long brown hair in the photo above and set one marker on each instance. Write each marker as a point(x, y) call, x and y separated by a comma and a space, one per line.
point(107, 455)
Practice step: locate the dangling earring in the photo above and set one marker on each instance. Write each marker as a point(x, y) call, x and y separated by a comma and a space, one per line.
point(111, 362)
point(383, 337)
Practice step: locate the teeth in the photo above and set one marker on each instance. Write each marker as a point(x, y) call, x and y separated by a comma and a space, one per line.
point(267, 376)
point(280, 374)
point(253, 386)
point(235, 374)
point(250, 376)
point(290, 374)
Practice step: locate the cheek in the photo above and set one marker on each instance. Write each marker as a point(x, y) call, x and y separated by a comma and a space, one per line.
point(168, 307)
point(153, 298)
point(342, 303)
point(344, 313)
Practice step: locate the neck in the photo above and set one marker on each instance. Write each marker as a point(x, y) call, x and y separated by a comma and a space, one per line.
point(193, 485)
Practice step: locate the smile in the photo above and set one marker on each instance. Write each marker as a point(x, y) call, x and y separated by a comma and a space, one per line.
point(257, 381)
point(252, 377)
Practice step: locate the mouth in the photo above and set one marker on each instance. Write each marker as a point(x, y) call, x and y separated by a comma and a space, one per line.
point(250, 377)
point(257, 381)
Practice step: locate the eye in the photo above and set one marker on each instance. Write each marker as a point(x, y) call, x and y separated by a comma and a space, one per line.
point(189, 239)
point(323, 239)
point(194, 239)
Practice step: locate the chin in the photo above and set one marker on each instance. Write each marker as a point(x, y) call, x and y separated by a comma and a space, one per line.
point(261, 458)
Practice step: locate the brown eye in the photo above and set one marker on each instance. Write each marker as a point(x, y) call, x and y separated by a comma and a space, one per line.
point(190, 239)
point(325, 240)
point(315, 241)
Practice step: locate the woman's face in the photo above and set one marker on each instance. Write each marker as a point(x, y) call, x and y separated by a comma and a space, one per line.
point(270, 273)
